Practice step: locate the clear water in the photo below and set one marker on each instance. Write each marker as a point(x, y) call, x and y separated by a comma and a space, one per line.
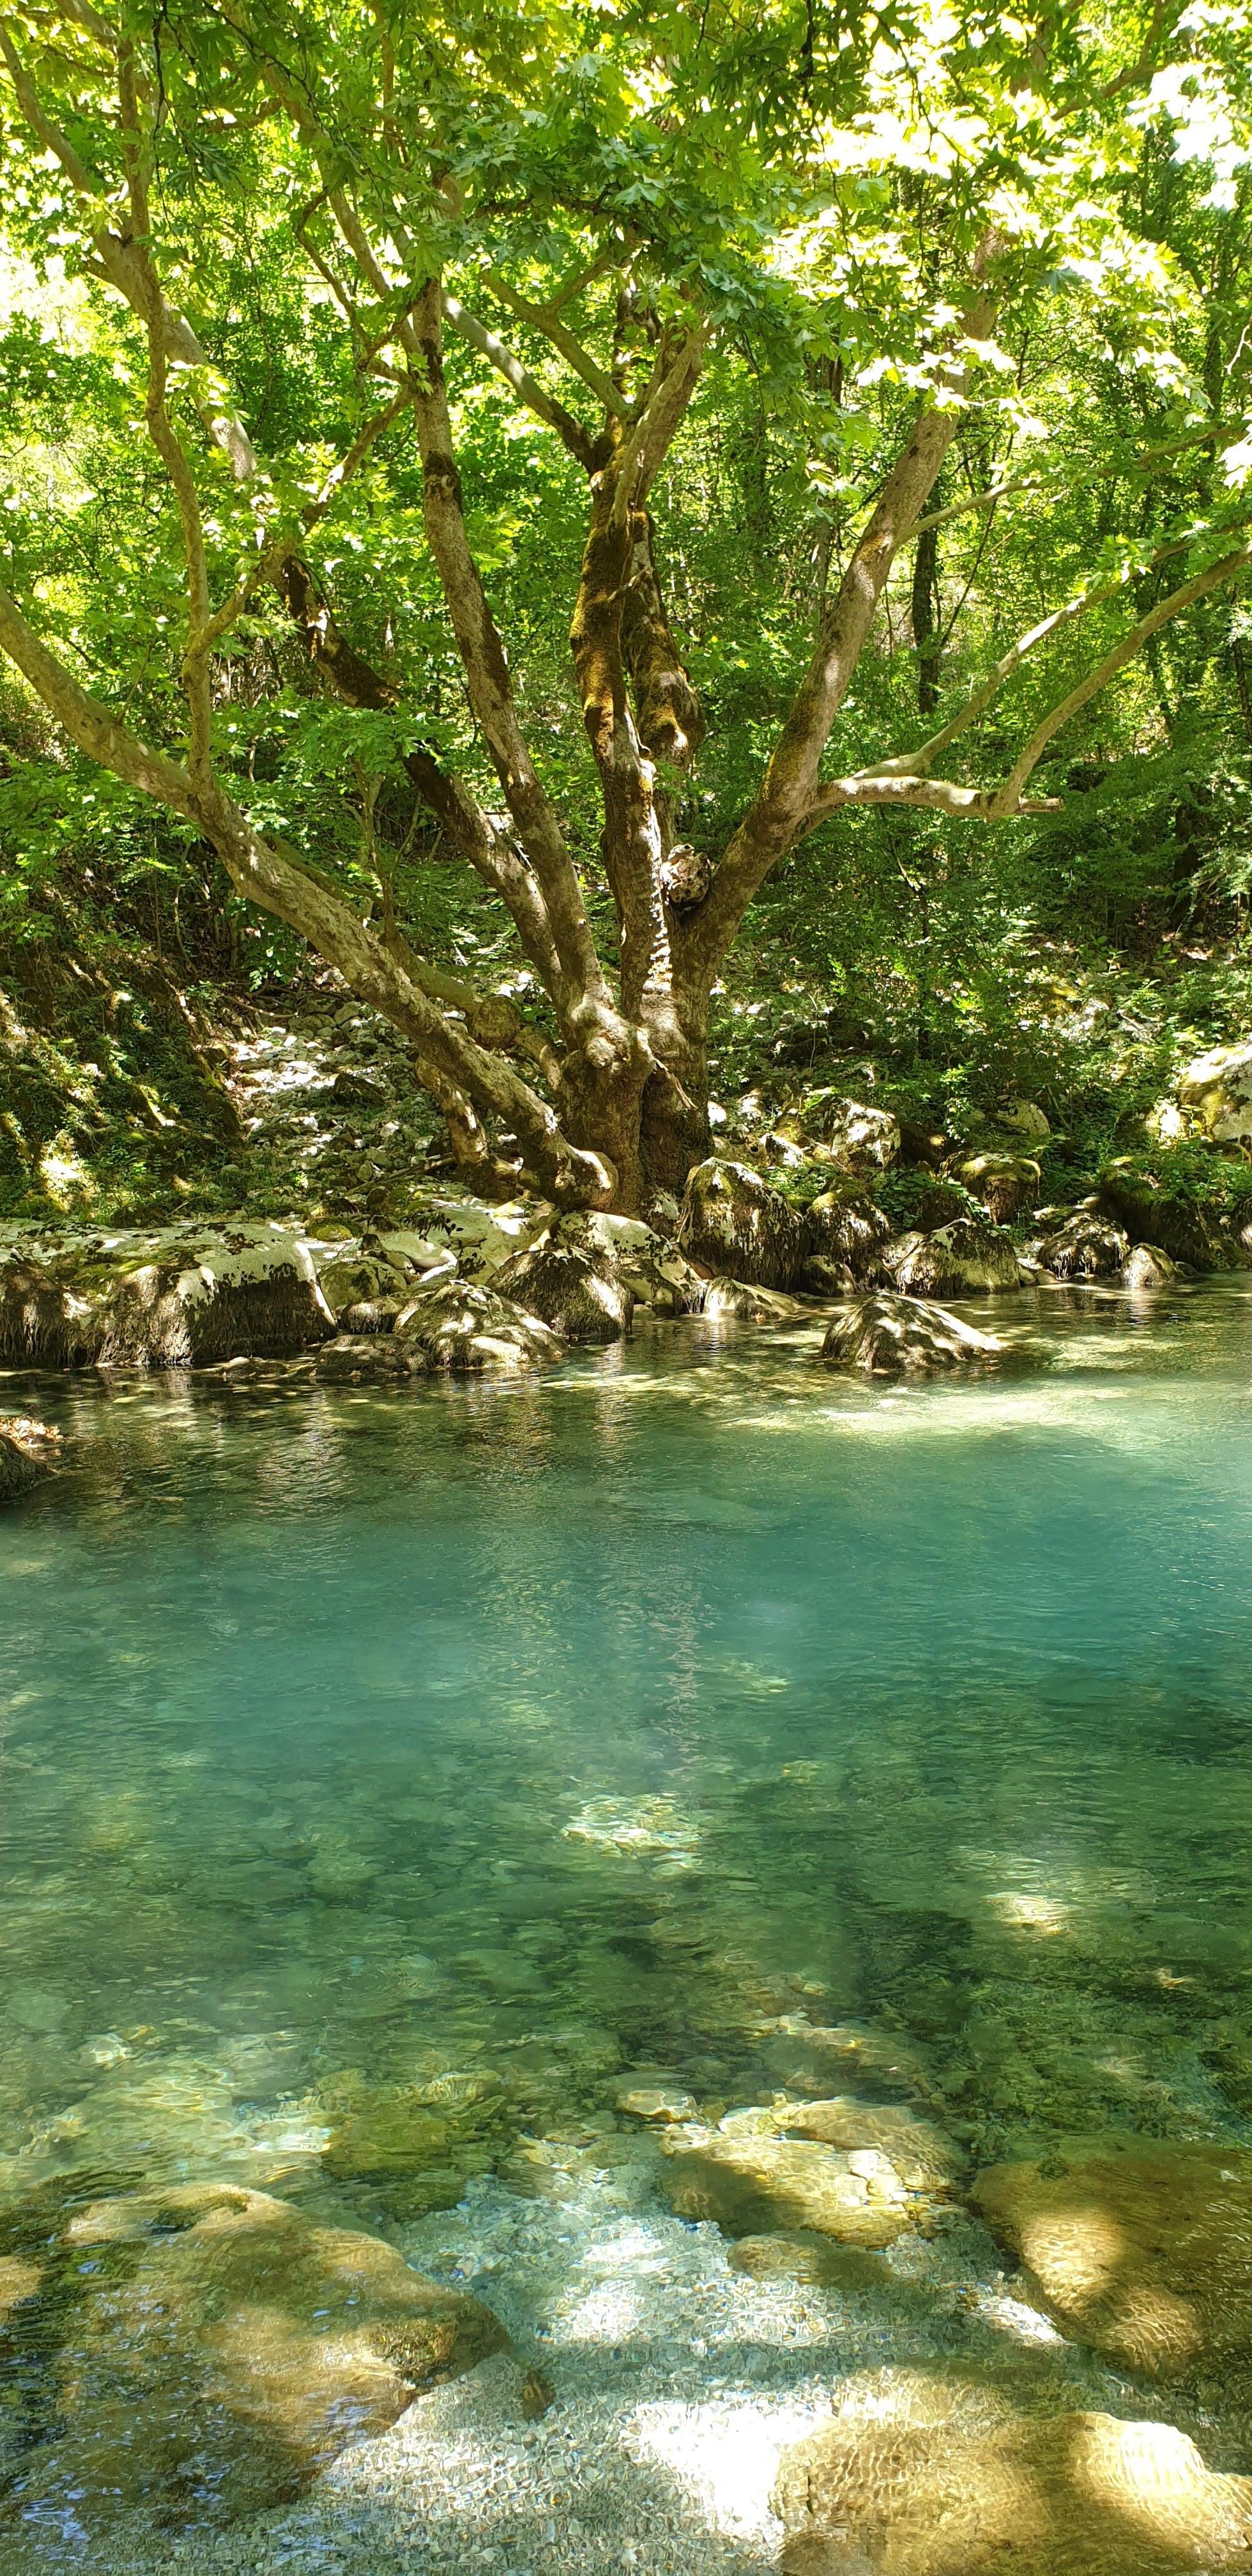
point(501, 1743)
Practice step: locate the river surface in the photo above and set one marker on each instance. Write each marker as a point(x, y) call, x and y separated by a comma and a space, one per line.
point(511, 1744)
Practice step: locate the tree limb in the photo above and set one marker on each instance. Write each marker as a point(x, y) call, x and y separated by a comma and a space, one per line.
point(937, 795)
point(1227, 569)
point(1140, 464)
point(544, 405)
point(789, 787)
point(280, 885)
point(543, 318)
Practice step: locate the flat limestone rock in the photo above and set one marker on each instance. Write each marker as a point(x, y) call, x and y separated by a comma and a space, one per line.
point(206, 2351)
point(751, 2186)
point(948, 2474)
point(1144, 2252)
point(173, 1297)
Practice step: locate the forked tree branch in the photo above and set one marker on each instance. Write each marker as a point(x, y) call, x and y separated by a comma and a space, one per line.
point(544, 405)
point(1228, 569)
point(277, 881)
point(895, 785)
point(543, 318)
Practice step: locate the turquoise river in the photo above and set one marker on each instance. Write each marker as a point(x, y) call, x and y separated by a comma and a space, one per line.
point(505, 1747)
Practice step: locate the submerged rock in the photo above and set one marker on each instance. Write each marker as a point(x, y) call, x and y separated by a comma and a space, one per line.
point(961, 1259)
point(930, 2473)
point(925, 2158)
point(465, 1328)
point(752, 2184)
point(737, 1226)
point(1086, 1246)
point(816, 2260)
point(28, 1453)
point(369, 1359)
point(1143, 2250)
point(888, 1335)
point(205, 2351)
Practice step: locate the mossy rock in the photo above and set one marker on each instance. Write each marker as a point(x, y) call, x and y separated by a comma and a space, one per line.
point(735, 1225)
point(1142, 2249)
point(960, 2473)
point(204, 2351)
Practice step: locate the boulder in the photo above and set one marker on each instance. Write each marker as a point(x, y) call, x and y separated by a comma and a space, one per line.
point(844, 1239)
point(205, 2351)
point(888, 1335)
point(737, 1226)
point(963, 1258)
point(1147, 1269)
point(181, 1297)
point(372, 1315)
point(1143, 2249)
point(1086, 1246)
point(733, 1301)
point(1004, 1183)
point(1024, 1118)
point(480, 1233)
point(28, 1453)
point(1149, 1214)
point(751, 2185)
point(369, 1359)
point(352, 1280)
point(569, 1287)
point(639, 1257)
point(860, 1139)
point(950, 2472)
point(1217, 1087)
point(466, 1328)
point(785, 1152)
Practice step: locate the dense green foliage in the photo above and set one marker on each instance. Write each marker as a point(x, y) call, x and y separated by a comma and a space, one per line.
point(814, 187)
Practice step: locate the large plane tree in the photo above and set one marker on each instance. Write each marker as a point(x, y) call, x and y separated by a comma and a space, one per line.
point(922, 234)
